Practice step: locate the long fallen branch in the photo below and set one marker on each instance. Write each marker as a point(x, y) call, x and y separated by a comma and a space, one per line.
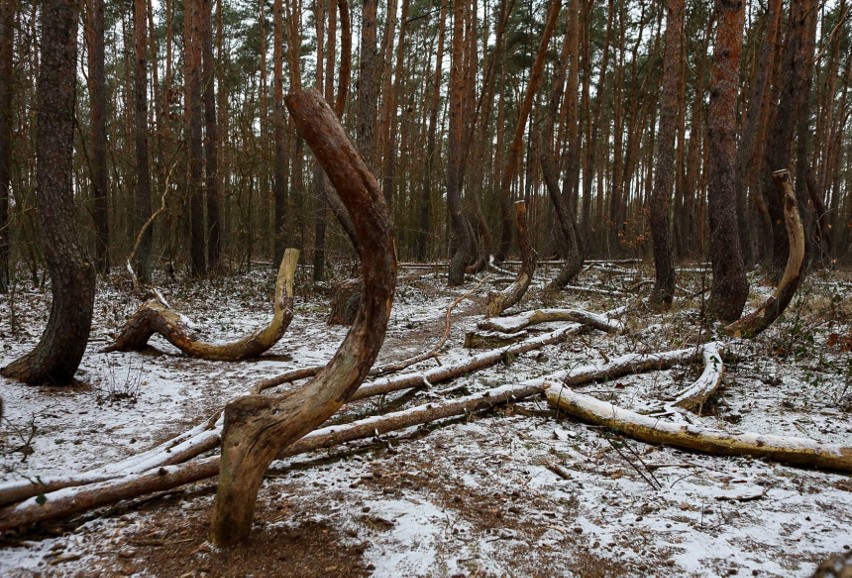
point(157, 317)
point(787, 450)
point(522, 320)
point(81, 496)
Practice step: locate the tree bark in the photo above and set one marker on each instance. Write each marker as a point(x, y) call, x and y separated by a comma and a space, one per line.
point(143, 171)
point(193, 100)
point(517, 141)
point(280, 234)
point(664, 286)
point(730, 287)
point(211, 139)
point(7, 32)
point(98, 160)
point(60, 349)
point(258, 427)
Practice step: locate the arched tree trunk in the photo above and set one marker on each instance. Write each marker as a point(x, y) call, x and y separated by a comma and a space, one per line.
point(258, 427)
point(57, 355)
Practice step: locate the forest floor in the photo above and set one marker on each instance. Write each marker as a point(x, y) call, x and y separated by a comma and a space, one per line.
point(516, 491)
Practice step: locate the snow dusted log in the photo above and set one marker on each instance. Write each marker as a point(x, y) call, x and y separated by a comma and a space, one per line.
point(523, 320)
point(155, 316)
point(65, 497)
point(257, 428)
point(707, 383)
point(787, 450)
point(754, 323)
point(499, 302)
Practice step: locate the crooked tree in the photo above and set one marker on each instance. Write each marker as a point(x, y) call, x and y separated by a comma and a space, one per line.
point(58, 353)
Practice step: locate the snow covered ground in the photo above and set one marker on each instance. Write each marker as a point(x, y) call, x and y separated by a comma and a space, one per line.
point(519, 491)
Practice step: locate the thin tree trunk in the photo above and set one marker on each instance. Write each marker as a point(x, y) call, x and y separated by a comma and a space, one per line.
point(211, 139)
point(279, 181)
point(192, 96)
point(7, 31)
point(517, 141)
point(98, 159)
point(143, 171)
point(664, 285)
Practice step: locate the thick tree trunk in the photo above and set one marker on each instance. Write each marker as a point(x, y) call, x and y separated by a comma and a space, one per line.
point(730, 286)
point(156, 317)
point(57, 355)
point(258, 427)
point(664, 286)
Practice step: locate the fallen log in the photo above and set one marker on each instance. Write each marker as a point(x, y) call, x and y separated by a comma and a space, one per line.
point(257, 427)
point(82, 494)
point(523, 320)
point(754, 323)
point(500, 301)
point(155, 316)
point(695, 394)
point(787, 450)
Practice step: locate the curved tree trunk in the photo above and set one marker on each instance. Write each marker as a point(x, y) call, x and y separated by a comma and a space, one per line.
point(499, 302)
point(766, 314)
point(664, 286)
point(58, 353)
point(157, 317)
point(258, 427)
point(730, 286)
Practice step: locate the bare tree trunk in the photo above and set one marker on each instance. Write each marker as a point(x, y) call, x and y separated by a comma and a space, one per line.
point(461, 245)
point(143, 171)
point(60, 349)
point(7, 31)
point(499, 302)
point(98, 159)
point(192, 96)
point(368, 84)
point(523, 114)
point(258, 427)
point(664, 285)
point(424, 229)
point(730, 286)
point(211, 140)
point(281, 234)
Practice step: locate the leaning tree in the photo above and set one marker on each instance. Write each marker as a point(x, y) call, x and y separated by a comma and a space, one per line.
point(57, 355)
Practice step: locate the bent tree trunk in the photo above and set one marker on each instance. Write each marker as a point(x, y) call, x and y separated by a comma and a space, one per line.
point(57, 355)
point(499, 302)
point(258, 427)
point(755, 322)
point(156, 317)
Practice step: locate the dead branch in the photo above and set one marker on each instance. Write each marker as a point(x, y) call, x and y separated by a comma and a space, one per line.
point(82, 493)
point(538, 316)
point(788, 450)
point(157, 317)
point(499, 302)
point(707, 383)
point(257, 428)
point(754, 323)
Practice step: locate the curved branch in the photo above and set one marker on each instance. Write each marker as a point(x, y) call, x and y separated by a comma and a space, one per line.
point(257, 428)
point(157, 317)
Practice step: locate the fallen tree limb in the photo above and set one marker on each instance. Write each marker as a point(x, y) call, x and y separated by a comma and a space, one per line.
point(522, 320)
point(157, 317)
point(500, 301)
point(87, 495)
point(787, 450)
point(707, 383)
point(754, 323)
